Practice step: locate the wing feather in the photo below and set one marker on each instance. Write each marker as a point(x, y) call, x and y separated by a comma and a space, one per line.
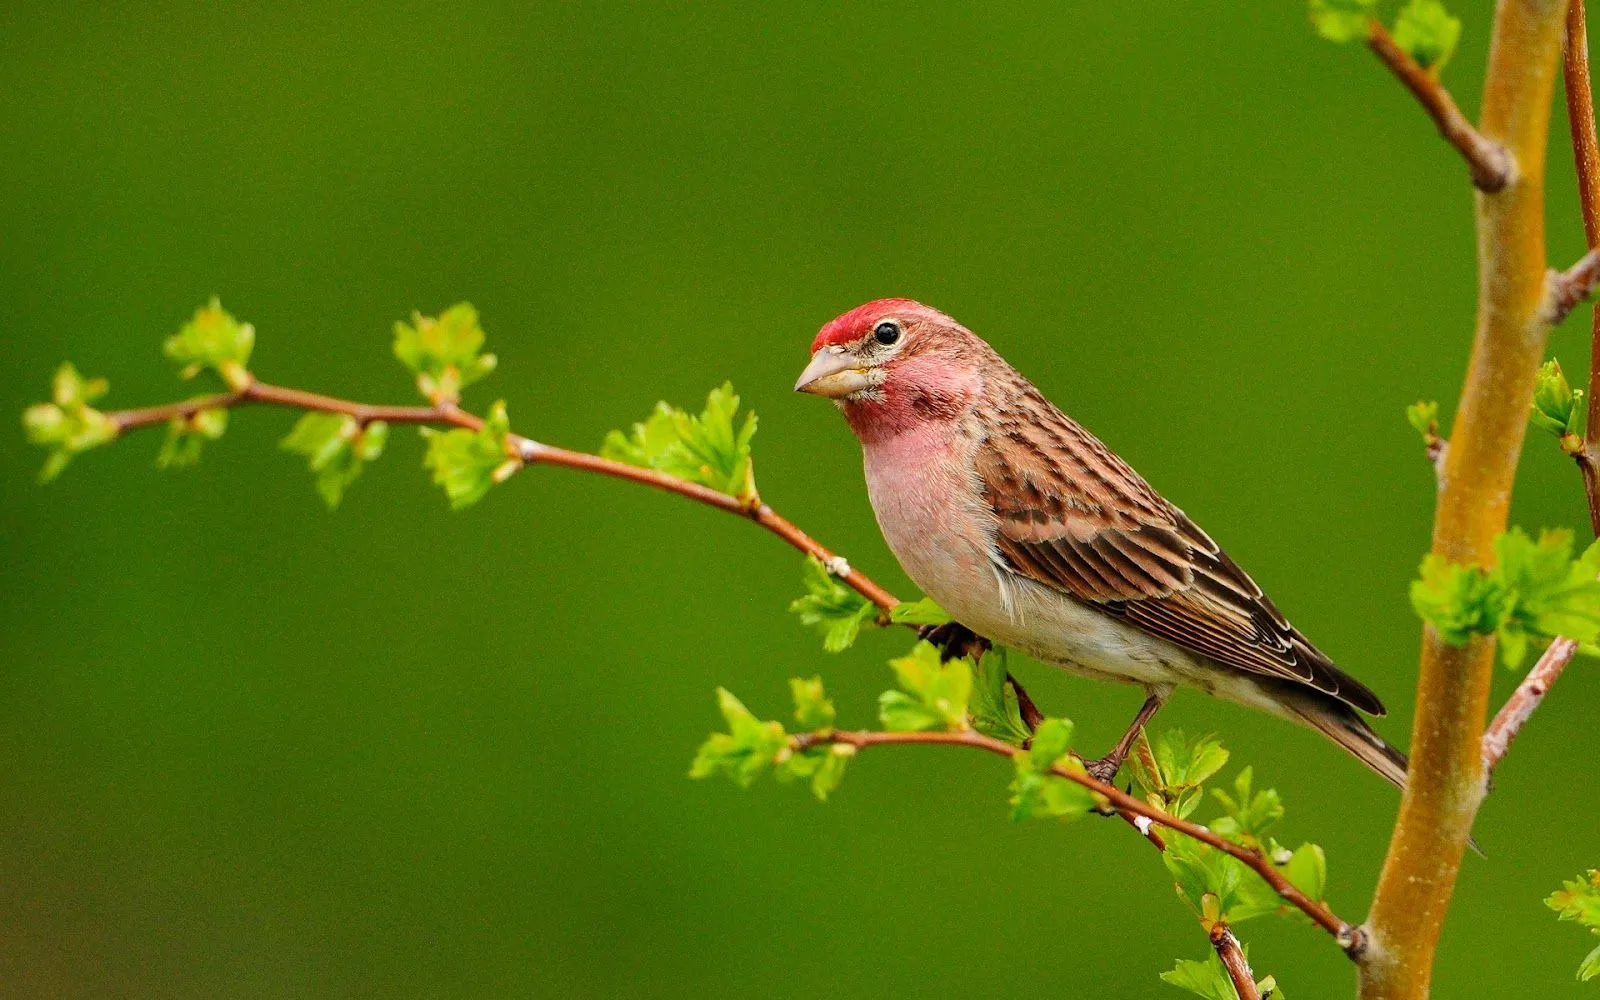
point(1074, 517)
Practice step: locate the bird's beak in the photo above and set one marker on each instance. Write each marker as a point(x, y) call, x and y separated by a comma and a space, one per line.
point(834, 374)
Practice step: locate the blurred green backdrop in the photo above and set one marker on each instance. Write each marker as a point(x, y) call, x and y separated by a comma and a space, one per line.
point(248, 748)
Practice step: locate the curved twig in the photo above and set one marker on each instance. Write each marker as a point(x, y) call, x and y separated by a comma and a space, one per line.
point(524, 449)
point(1347, 935)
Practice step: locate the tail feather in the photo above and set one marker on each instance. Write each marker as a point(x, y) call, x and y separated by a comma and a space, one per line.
point(1340, 723)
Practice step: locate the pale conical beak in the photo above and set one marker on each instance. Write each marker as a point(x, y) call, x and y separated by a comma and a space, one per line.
point(834, 374)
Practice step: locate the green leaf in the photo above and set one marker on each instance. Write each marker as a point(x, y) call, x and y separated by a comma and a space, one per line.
point(712, 449)
point(1052, 741)
point(1217, 886)
point(1579, 900)
point(1591, 966)
point(994, 706)
point(746, 751)
point(921, 613)
point(187, 435)
point(467, 463)
point(812, 708)
point(1307, 870)
point(1172, 770)
point(1036, 791)
point(213, 339)
point(1460, 602)
point(336, 446)
point(1549, 592)
point(1036, 795)
point(1206, 978)
point(821, 766)
point(444, 351)
point(1423, 416)
point(833, 609)
point(68, 425)
point(1249, 814)
point(933, 695)
point(1558, 409)
point(1341, 20)
point(1427, 32)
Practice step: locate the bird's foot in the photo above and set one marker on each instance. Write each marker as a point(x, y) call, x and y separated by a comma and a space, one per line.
point(954, 640)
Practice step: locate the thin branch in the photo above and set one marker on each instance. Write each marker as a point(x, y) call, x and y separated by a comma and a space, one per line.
point(1586, 158)
point(1525, 699)
point(1491, 163)
point(1232, 955)
point(1580, 119)
point(1570, 287)
point(1589, 467)
point(526, 450)
point(1347, 935)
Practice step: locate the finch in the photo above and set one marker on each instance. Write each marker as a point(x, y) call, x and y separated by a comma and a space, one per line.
point(1032, 533)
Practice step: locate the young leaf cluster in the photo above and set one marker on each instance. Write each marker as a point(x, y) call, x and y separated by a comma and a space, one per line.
point(994, 707)
point(187, 435)
point(1558, 408)
point(1536, 591)
point(712, 449)
point(1427, 32)
point(752, 747)
point(1579, 899)
point(1424, 29)
point(1423, 416)
point(839, 613)
point(445, 351)
point(1247, 814)
point(336, 446)
point(468, 463)
point(1209, 979)
point(213, 340)
point(1171, 771)
point(933, 694)
point(68, 425)
point(834, 610)
point(1037, 791)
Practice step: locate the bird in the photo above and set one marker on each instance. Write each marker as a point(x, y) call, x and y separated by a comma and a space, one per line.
point(1031, 533)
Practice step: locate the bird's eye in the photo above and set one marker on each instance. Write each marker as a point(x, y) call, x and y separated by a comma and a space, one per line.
point(886, 332)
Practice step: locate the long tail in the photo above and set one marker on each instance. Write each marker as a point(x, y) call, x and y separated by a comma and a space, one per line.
point(1344, 726)
point(1341, 724)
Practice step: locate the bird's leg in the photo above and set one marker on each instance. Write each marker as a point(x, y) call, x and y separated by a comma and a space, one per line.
point(1031, 716)
point(1106, 768)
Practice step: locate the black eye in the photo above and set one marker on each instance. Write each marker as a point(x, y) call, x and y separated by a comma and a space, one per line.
point(886, 332)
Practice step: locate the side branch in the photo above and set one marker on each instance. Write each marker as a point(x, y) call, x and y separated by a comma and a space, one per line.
point(1491, 163)
point(1525, 700)
point(1232, 956)
point(525, 450)
point(1347, 935)
point(1586, 158)
point(1570, 287)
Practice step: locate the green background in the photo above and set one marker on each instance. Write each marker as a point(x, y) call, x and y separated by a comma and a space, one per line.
point(249, 748)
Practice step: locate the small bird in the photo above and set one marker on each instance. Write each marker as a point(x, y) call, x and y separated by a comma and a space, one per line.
point(1032, 533)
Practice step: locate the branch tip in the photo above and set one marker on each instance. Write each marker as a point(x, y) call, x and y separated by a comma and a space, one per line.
point(1492, 165)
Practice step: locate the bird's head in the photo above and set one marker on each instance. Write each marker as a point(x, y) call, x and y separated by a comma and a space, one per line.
point(895, 363)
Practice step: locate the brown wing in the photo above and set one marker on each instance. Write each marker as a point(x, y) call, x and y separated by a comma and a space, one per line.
point(1075, 517)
